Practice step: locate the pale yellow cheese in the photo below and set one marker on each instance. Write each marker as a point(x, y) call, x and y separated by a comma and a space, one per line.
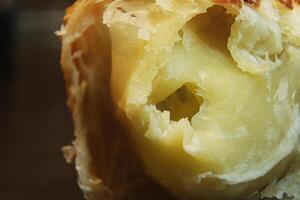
point(211, 95)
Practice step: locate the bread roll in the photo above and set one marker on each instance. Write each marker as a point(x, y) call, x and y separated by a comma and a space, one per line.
point(184, 99)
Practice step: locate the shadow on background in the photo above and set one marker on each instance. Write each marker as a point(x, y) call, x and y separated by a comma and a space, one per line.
point(34, 120)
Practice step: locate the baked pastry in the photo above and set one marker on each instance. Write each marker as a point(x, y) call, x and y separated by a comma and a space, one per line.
point(184, 99)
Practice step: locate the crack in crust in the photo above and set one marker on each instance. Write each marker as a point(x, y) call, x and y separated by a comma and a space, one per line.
point(239, 3)
point(290, 4)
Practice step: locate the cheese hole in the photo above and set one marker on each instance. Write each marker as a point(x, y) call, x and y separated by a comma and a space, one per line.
point(183, 103)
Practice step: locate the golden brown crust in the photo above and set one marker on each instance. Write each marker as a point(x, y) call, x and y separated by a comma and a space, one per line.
point(290, 4)
point(106, 164)
point(254, 3)
point(234, 2)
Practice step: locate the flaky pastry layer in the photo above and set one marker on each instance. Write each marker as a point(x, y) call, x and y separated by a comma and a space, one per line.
point(201, 96)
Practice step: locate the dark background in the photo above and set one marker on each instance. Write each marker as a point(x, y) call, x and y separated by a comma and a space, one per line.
point(34, 120)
